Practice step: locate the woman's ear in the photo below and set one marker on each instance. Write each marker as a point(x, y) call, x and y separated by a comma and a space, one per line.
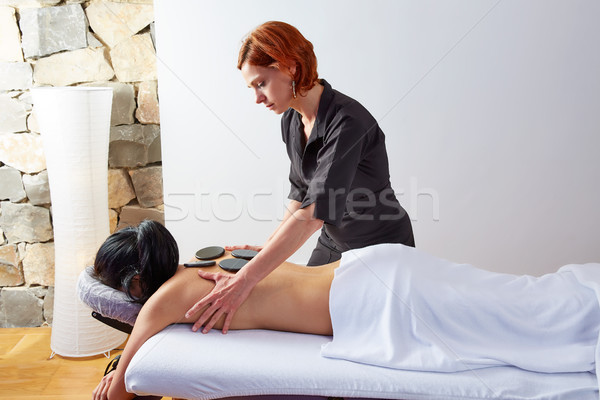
point(134, 287)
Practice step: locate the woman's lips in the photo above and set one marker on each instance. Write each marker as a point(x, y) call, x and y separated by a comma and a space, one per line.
point(270, 106)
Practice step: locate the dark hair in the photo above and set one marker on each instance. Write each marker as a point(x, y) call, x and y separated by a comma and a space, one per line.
point(278, 44)
point(148, 250)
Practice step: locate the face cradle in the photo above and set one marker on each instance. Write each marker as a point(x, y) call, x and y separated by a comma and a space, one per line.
point(272, 87)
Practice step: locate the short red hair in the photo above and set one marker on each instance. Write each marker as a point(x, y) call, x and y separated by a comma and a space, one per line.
point(280, 45)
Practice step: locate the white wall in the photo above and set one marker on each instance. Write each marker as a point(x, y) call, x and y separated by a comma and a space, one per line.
point(490, 110)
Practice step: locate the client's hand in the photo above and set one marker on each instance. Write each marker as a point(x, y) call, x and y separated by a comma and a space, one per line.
point(229, 293)
point(244, 247)
point(101, 391)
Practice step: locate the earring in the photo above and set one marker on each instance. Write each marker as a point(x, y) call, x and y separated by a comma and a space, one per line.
point(294, 88)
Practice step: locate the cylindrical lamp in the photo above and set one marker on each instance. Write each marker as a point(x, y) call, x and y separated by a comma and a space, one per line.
point(75, 125)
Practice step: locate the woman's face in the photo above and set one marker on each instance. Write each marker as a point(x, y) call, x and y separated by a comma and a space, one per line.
point(271, 87)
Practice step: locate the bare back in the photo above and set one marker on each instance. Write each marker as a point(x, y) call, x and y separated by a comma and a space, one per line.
point(291, 298)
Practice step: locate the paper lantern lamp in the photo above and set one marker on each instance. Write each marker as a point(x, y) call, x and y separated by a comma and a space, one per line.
point(75, 126)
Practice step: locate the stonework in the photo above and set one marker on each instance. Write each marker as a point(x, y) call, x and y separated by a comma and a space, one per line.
point(133, 215)
point(134, 145)
point(38, 264)
point(147, 111)
point(148, 186)
point(134, 59)
point(10, 45)
point(113, 219)
point(13, 114)
point(37, 188)
point(25, 223)
point(10, 274)
point(61, 49)
point(15, 75)
point(49, 30)
point(49, 305)
point(20, 307)
point(22, 151)
point(28, 3)
point(11, 185)
point(116, 22)
point(77, 66)
point(120, 189)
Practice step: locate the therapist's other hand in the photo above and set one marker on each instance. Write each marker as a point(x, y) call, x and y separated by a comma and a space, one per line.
point(244, 247)
point(101, 391)
point(229, 293)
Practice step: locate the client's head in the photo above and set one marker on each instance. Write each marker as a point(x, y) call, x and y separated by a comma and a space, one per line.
point(137, 259)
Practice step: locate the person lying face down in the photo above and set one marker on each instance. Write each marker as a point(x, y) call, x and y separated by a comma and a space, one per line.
point(137, 260)
point(394, 306)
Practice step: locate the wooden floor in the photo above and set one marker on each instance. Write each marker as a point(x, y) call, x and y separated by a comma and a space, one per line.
point(27, 372)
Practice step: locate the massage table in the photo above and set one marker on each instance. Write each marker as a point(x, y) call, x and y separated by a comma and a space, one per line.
point(189, 365)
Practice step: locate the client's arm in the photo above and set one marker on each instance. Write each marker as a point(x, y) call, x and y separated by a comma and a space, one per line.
point(165, 307)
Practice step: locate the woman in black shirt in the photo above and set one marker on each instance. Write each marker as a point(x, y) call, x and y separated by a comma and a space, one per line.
point(339, 171)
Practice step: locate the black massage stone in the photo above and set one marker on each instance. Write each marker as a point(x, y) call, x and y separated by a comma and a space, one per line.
point(208, 253)
point(245, 254)
point(232, 264)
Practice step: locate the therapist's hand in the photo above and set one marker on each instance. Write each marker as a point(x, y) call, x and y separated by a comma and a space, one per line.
point(244, 247)
point(229, 293)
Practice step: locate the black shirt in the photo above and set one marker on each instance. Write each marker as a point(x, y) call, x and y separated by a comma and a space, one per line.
point(343, 169)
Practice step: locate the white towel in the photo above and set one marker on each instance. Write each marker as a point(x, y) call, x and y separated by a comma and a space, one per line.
point(396, 307)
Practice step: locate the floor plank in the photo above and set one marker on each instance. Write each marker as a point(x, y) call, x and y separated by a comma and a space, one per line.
point(27, 371)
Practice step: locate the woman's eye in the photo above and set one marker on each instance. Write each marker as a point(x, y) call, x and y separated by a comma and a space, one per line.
point(260, 85)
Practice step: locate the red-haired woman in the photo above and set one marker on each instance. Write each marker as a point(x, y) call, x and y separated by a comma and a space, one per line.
point(339, 171)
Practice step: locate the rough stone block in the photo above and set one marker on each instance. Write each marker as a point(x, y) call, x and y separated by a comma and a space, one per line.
point(22, 151)
point(133, 215)
point(10, 273)
point(134, 59)
point(147, 111)
point(37, 188)
point(28, 3)
point(116, 22)
point(15, 75)
point(49, 305)
point(13, 114)
point(93, 41)
point(134, 145)
point(120, 189)
point(25, 223)
point(148, 186)
point(38, 264)
point(11, 186)
point(113, 219)
point(49, 30)
point(63, 69)
point(21, 308)
point(10, 44)
point(123, 104)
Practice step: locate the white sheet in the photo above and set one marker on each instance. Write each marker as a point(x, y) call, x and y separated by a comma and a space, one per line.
point(179, 363)
point(397, 307)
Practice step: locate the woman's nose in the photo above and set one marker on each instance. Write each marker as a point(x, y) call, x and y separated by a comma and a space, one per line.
point(259, 97)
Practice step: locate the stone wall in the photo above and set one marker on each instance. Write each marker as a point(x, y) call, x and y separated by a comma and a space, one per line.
point(60, 43)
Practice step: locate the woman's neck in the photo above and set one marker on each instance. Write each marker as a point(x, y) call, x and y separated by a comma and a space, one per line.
point(308, 104)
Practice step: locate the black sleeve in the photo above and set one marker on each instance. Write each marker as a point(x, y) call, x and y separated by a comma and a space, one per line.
point(337, 162)
point(297, 186)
